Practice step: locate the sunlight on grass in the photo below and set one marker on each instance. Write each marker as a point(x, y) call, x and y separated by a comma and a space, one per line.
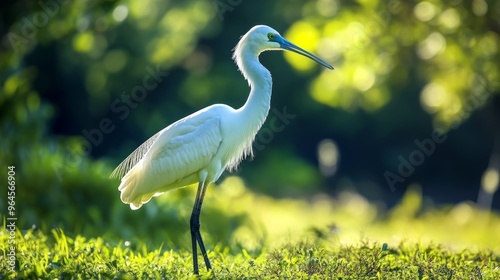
point(351, 217)
point(58, 256)
point(277, 238)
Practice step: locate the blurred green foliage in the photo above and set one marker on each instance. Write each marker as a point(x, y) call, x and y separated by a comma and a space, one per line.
point(402, 68)
point(381, 46)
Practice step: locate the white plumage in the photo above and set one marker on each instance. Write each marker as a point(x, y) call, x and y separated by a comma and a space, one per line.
point(199, 147)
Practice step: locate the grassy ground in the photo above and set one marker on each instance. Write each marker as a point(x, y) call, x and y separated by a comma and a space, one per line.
point(56, 256)
point(319, 238)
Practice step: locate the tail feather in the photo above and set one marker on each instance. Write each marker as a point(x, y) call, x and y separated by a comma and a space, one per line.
point(130, 189)
point(133, 187)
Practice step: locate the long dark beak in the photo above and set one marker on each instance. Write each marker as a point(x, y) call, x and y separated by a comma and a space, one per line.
point(287, 45)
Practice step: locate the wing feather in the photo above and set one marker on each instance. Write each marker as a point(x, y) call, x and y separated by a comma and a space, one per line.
point(134, 158)
point(170, 159)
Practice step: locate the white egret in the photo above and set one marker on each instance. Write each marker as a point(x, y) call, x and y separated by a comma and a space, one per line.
point(199, 147)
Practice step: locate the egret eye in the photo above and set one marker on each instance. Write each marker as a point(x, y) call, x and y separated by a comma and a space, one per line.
point(270, 36)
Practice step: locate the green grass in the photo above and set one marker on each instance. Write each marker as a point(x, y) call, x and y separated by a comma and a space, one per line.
point(255, 236)
point(57, 256)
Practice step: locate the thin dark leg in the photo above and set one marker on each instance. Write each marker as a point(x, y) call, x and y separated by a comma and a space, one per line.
point(195, 228)
point(195, 225)
point(200, 240)
point(194, 247)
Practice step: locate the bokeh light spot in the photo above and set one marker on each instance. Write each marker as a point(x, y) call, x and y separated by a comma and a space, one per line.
point(374, 99)
point(431, 46)
point(363, 78)
point(424, 11)
point(450, 19)
point(462, 213)
point(115, 61)
point(33, 101)
point(479, 7)
point(327, 8)
point(488, 44)
point(328, 157)
point(83, 42)
point(307, 36)
point(433, 96)
point(120, 13)
point(11, 85)
point(490, 180)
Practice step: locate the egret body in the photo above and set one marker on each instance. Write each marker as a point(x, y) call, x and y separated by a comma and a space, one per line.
point(199, 147)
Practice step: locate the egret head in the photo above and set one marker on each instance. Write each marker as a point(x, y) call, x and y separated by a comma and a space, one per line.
point(263, 38)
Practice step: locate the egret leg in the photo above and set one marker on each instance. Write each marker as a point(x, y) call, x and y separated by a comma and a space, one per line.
point(195, 229)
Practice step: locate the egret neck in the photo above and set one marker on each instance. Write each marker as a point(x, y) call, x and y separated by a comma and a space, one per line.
point(254, 112)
